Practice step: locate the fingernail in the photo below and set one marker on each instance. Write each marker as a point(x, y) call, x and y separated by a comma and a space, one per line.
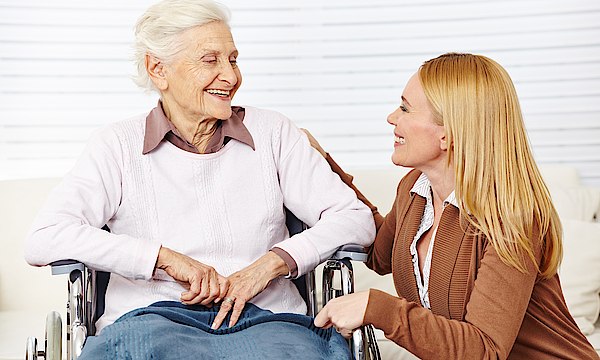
point(214, 326)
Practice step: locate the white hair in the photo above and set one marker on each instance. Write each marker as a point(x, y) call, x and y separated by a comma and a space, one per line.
point(157, 32)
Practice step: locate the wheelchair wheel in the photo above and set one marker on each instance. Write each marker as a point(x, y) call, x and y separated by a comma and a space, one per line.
point(53, 336)
point(31, 353)
point(371, 344)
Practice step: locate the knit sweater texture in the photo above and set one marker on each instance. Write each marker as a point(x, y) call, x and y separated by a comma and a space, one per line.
point(224, 209)
point(481, 308)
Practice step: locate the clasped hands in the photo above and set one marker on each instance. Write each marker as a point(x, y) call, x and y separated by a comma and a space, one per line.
point(205, 286)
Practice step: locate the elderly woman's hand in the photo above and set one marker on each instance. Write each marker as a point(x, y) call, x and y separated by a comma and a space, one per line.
point(345, 313)
point(247, 283)
point(204, 285)
point(314, 143)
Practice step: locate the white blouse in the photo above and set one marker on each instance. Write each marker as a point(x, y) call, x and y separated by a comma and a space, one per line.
point(422, 187)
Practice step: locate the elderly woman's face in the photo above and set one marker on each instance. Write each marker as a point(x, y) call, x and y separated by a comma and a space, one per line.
point(418, 141)
point(204, 77)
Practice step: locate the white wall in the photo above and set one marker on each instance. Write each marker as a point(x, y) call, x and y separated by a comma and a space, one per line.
point(336, 67)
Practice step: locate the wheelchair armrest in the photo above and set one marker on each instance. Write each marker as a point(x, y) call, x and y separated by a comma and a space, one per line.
point(81, 305)
point(352, 252)
point(66, 266)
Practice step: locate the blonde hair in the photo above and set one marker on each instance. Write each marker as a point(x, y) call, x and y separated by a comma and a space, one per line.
point(497, 180)
point(157, 32)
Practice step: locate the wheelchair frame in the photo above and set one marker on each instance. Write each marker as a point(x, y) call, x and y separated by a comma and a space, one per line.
point(85, 304)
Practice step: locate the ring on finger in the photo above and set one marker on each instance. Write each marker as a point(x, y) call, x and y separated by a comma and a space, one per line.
point(229, 300)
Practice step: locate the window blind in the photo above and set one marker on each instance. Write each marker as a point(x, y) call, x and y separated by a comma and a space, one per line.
point(335, 67)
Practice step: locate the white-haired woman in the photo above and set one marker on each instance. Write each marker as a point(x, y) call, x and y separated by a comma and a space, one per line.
point(194, 191)
point(473, 240)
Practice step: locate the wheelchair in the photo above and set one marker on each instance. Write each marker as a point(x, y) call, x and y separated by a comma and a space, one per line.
point(86, 289)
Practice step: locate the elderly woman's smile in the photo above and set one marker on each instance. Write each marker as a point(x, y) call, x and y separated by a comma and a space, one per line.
point(193, 192)
point(200, 82)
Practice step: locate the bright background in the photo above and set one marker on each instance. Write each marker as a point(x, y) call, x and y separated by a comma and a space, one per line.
point(336, 67)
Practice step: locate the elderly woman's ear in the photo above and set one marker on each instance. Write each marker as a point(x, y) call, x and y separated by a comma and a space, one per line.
point(155, 71)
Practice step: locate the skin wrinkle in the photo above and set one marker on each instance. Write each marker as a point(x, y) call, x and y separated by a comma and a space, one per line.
point(203, 134)
point(208, 63)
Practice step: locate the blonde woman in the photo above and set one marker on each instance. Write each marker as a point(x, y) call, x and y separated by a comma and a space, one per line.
point(473, 240)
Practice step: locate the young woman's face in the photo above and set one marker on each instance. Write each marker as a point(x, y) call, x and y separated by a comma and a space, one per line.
point(418, 141)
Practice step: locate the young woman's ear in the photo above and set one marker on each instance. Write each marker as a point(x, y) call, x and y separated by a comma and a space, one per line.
point(443, 143)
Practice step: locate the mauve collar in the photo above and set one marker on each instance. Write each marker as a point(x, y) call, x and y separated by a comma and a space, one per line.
point(159, 128)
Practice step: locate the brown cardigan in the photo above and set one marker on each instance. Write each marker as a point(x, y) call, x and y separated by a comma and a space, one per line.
point(481, 308)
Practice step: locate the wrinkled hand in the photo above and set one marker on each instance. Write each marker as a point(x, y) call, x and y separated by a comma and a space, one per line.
point(314, 143)
point(247, 283)
point(345, 313)
point(204, 285)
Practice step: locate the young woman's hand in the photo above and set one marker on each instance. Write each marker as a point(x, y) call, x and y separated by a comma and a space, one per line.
point(345, 313)
point(314, 143)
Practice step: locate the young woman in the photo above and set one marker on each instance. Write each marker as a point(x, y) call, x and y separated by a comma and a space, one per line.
point(473, 240)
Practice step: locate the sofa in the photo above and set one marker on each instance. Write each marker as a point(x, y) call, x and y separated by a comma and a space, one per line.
point(27, 293)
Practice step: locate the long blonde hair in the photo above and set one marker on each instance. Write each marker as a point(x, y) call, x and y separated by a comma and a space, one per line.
point(497, 180)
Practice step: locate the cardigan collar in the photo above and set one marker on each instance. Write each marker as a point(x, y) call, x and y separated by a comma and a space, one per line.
point(448, 275)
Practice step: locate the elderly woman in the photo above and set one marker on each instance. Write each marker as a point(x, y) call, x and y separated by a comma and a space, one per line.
point(194, 190)
point(473, 240)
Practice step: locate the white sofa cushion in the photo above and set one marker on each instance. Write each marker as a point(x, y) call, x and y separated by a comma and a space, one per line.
point(559, 175)
point(27, 294)
point(580, 272)
point(20, 201)
point(576, 202)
